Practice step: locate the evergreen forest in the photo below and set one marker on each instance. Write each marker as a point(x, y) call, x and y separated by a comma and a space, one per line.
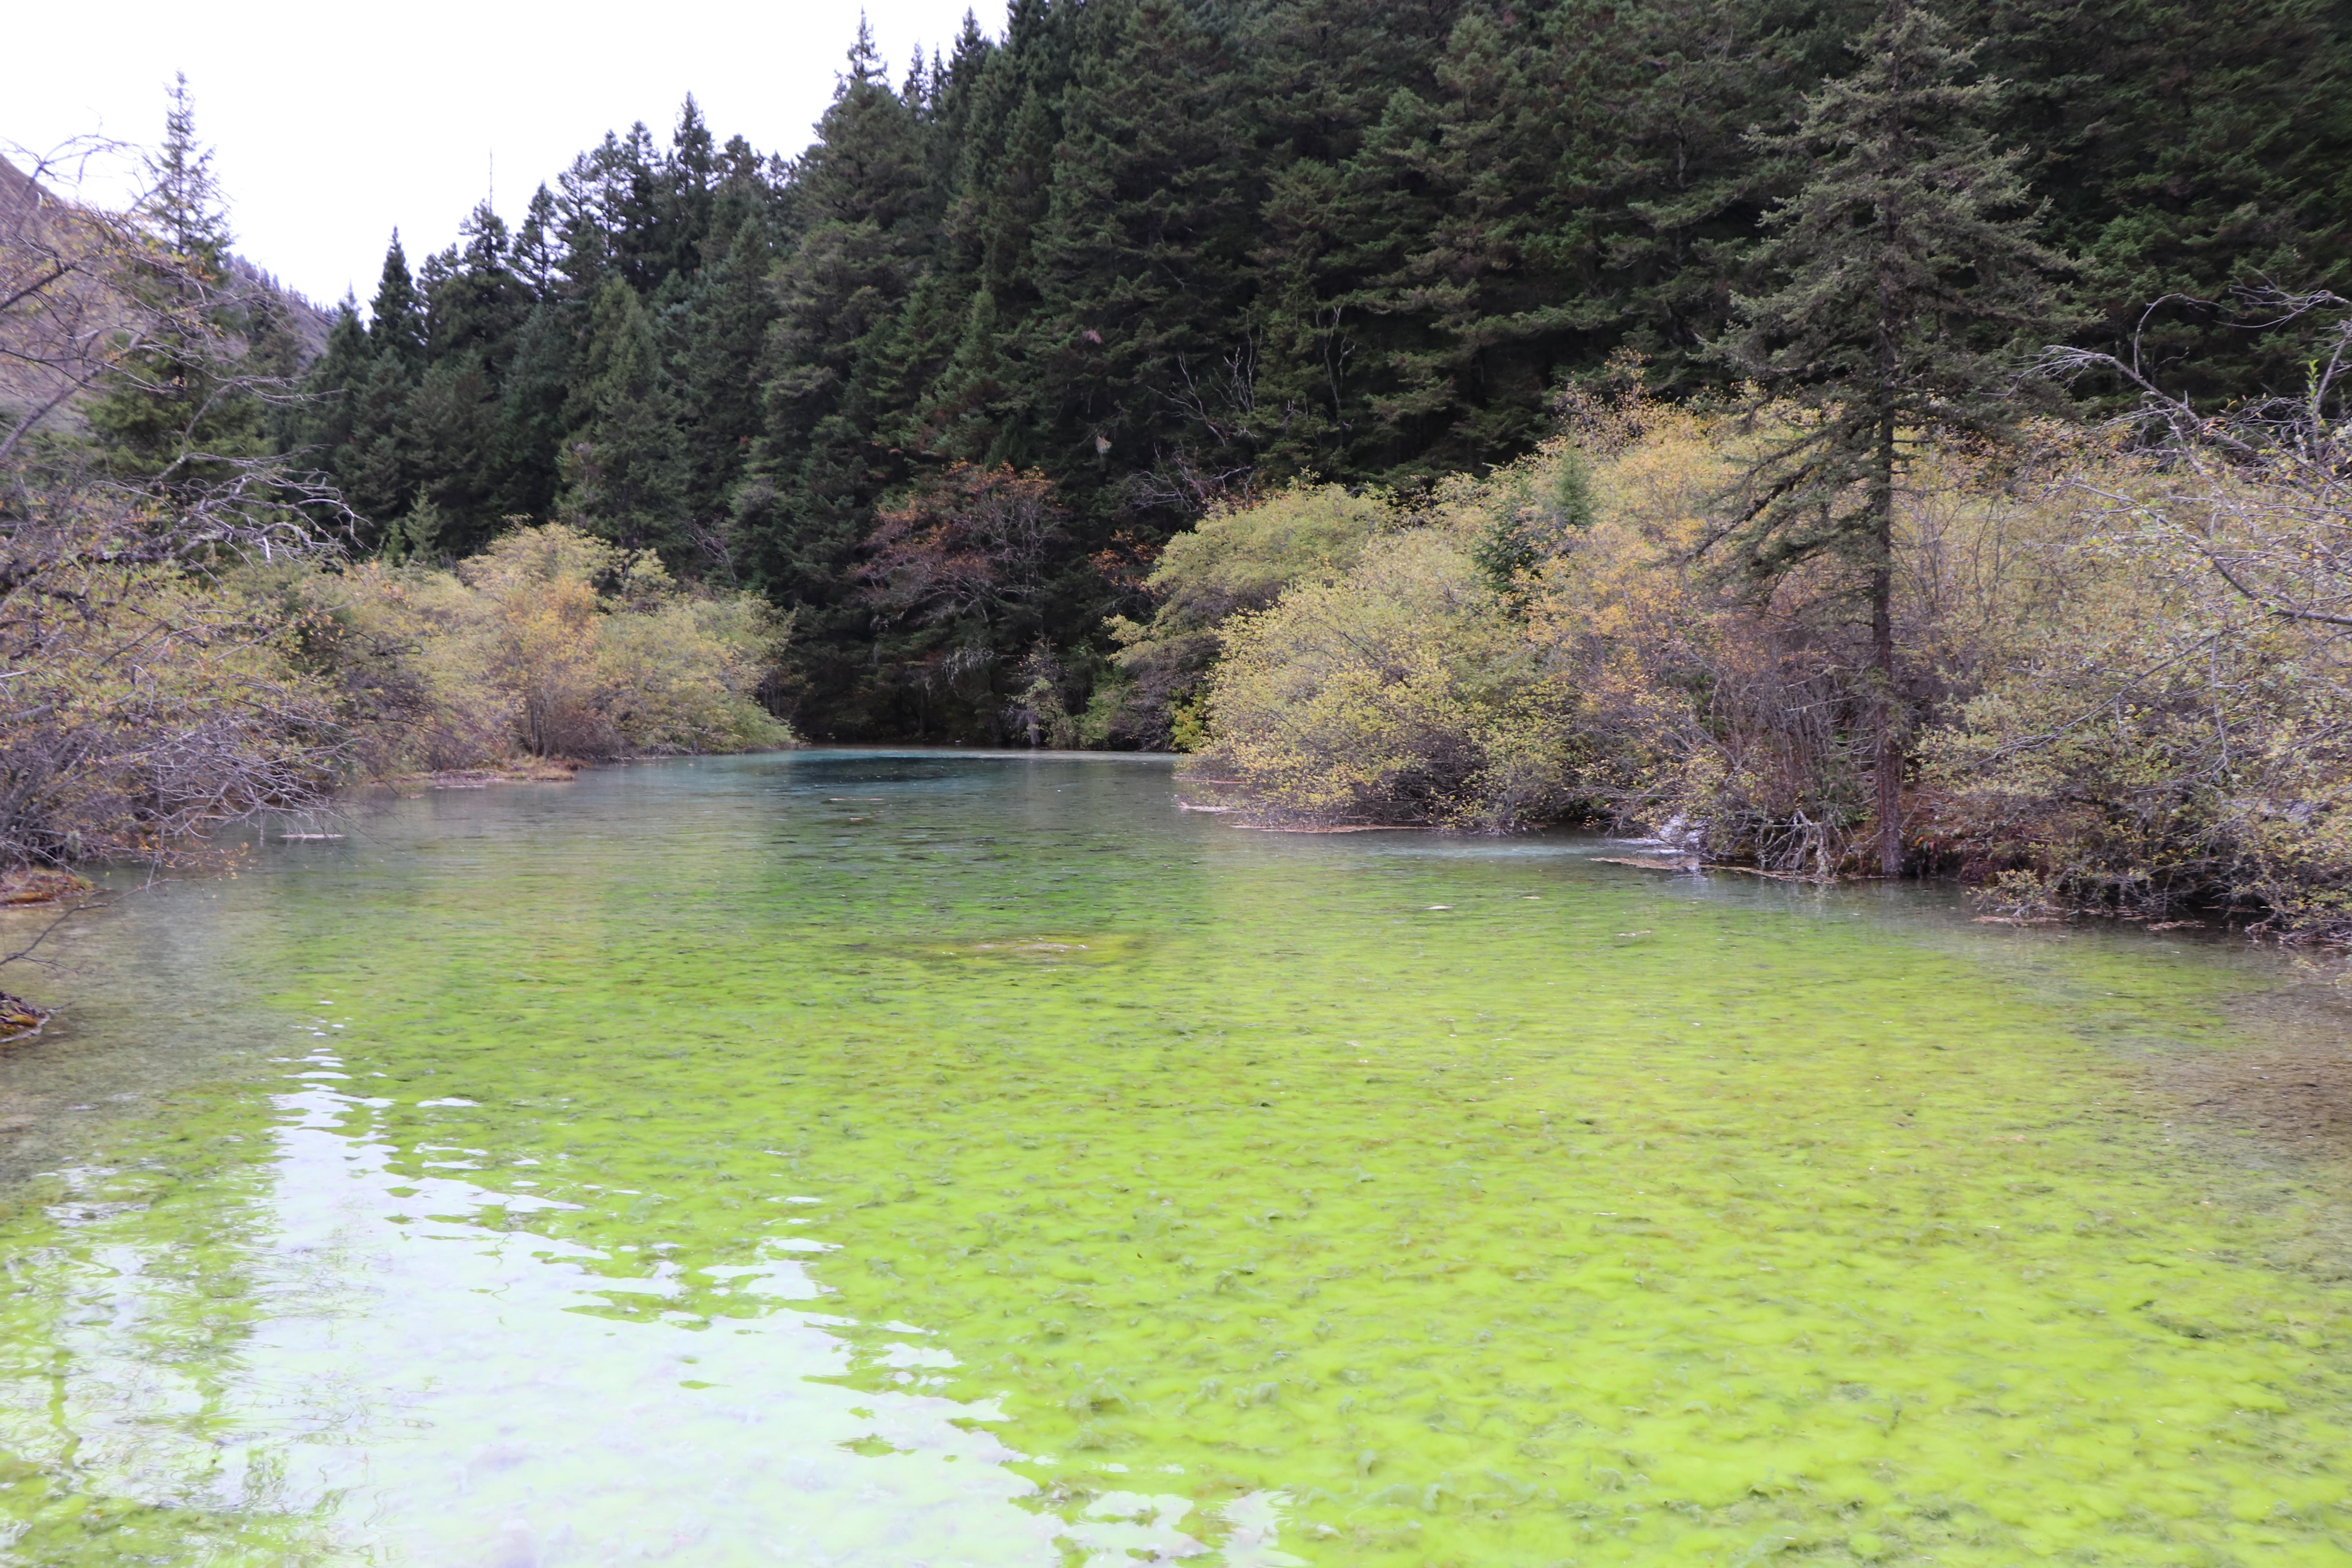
point(942, 386)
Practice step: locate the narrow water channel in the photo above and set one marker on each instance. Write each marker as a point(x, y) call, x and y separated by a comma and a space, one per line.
point(931, 1159)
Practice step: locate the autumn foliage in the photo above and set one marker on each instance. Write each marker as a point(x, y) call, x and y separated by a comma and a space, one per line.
point(549, 644)
point(2095, 716)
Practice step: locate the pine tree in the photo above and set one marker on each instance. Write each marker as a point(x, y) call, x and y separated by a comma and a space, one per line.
point(376, 463)
point(179, 411)
point(396, 315)
point(954, 98)
point(744, 190)
point(536, 258)
point(440, 440)
point(184, 206)
point(718, 372)
point(685, 196)
point(478, 302)
point(1141, 345)
point(623, 479)
point(871, 216)
point(1905, 266)
point(584, 221)
point(995, 126)
point(373, 470)
point(1491, 308)
point(448, 434)
point(621, 205)
point(531, 401)
point(1658, 194)
point(317, 428)
point(1323, 74)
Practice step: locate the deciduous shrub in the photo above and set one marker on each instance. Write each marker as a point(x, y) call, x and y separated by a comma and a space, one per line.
point(151, 694)
point(2156, 730)
point(2095, 707)
point(1239, 558)
point(1399, 690)
point(550, 643)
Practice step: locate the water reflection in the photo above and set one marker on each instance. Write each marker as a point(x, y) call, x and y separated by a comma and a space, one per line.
point(835, 1160)
point(562, 1415)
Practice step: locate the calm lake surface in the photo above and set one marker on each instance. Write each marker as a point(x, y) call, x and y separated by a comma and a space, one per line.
point(936, 1159)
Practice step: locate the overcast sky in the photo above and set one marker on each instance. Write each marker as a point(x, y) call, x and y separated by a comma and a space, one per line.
point(333, 123)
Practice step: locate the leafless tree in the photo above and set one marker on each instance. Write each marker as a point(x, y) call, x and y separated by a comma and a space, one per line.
point(967, 546)
point(2260, 491)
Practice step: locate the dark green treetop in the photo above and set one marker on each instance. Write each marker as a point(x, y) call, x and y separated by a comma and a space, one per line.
point(396, 314)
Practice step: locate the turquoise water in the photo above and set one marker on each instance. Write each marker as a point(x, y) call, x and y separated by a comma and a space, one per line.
point(925, 1158)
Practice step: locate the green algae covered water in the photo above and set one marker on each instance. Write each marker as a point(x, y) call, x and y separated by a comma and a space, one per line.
point(932, 1158)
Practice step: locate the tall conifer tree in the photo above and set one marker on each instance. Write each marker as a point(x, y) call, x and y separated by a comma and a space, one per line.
point(624, 478)
point(320, 426)
point(184, 207)
point(1142, 339)
point(373, 471)
point(1905, 266)
point(179, 408)
point(864, 194)
point(537, 253)
point(686, 194)
point(396, 315)
point(480, 303)
point(718, 373)
point(531, 401)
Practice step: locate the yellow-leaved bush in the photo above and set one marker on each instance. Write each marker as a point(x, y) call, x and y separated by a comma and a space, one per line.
point(1238, 558)
point(551, 643)
point(2136, 731)
point(1398, 691)
point(2094, 715)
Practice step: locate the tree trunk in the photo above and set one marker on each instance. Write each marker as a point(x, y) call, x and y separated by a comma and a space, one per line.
point(1888, 765)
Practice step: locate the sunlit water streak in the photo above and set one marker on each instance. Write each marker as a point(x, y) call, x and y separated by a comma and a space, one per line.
point(932, 1158)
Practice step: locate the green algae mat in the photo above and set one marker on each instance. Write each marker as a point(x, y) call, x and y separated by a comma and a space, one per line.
point(931, 1159)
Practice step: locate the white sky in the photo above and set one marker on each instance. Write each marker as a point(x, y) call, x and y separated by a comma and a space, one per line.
point(333, 123)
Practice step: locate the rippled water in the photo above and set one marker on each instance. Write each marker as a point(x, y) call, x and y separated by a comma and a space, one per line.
point(933, 1159)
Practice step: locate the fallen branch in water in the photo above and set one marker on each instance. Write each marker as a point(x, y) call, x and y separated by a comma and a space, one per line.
point(1697, 866)
point(40, 884)
point(1349, 828)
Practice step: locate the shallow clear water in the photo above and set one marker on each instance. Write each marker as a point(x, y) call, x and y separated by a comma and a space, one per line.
point(931, 1159)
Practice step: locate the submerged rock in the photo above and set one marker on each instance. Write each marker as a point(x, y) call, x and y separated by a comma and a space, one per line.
point(19, 1020)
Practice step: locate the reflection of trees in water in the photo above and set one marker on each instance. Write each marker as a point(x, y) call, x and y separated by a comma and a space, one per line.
point(138, 1285)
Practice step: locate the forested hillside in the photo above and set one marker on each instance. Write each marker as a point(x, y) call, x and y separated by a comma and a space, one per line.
point(943, 384)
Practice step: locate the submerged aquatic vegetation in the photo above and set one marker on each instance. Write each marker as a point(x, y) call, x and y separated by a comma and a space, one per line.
point(1034, 1170)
